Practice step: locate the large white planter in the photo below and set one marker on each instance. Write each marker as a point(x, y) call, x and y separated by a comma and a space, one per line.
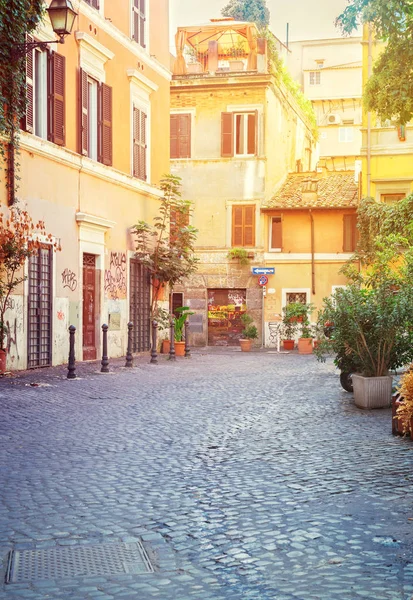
point(372, 392)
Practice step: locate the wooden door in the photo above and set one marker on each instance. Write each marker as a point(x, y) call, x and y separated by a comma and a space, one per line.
point(140, 306)
point(40, 308)
point(89, 307)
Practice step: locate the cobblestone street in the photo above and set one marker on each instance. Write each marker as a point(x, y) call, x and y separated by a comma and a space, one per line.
point(245, 476)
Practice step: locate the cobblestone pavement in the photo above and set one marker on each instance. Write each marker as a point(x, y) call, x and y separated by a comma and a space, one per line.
point(246, 476)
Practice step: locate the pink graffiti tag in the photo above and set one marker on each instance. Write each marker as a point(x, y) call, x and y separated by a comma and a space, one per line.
point(60, 315)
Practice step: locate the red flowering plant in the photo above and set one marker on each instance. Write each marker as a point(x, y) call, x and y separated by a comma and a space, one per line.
point(20, 238)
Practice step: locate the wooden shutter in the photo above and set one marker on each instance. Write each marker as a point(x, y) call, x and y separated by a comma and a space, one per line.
point(249, 226)
point(56, 103)
point(350, 233)
point(105, 124)
point(28, 120)
point(184, 136)
point(142, 25)
point(139, 18)
point(276, 232)
point(174, 136)
point(83, 114)
point(227, 134)
point(243, 225)
point(180, 136)
point(237, 226)
point(252, 132)
point(139, 144)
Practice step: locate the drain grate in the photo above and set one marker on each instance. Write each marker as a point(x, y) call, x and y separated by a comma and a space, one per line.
point(77, 561)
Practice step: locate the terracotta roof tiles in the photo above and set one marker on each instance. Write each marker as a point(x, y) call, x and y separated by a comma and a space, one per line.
point(316, 190)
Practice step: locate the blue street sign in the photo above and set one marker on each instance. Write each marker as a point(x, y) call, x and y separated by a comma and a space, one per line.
point(263, 270)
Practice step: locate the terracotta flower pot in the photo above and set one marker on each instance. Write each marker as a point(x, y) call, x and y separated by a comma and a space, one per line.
point(305, 345)
point(3, 359)
point(179, 348)
point(288, 344)
point(245, 345)
point(166, 346)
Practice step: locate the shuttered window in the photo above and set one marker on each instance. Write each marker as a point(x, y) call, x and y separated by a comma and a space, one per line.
point(350, 233)
point(239, 134)
point(139, 144)
point(243, 226)
point(181, 136)
point(94, 3)
point(138, 22)
point(276, 233)
point(95, 119)
point(45, 95)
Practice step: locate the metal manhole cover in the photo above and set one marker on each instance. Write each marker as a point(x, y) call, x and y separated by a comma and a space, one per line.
point(77, 561)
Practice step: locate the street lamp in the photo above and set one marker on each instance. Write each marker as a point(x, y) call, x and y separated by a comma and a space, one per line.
point(62, 16)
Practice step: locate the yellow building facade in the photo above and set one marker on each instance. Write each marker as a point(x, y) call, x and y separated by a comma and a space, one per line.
point(238, 137)
point(92, 154)
point(387, 150)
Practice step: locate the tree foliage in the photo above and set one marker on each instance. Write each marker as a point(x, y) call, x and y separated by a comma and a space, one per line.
point(255, 11)
point(166, 247)
point(389, 91)
point(377, 222)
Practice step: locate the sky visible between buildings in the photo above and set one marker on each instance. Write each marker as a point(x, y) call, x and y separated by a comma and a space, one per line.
point(307, 19)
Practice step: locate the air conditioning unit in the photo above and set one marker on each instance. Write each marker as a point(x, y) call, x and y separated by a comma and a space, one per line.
point(334, 119)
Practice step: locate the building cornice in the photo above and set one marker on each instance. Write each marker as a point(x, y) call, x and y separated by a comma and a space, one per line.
point(68, 158)
point(137, 77)
point(94, 221)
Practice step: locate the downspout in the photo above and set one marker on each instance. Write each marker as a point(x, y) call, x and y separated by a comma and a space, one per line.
point(369, 71)
point(312, 253)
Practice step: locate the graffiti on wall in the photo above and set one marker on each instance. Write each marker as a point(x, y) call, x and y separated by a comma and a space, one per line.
point(14, 326)
point(69, 280)
point(115, 276)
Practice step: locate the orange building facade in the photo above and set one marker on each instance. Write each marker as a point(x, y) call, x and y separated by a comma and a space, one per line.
point(94, 147)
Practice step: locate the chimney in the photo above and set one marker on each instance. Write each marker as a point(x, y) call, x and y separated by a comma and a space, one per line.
point(309, 191)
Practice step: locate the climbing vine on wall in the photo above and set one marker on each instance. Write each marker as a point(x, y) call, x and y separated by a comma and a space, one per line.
point(17, 19)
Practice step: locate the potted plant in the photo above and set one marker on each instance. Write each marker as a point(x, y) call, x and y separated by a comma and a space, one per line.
point(19, 239)
point(161, 316)
point(293, 314)
point(183, 313)
point(305, 341)
point(167, 248)
point(249, 333)
point(241, 254)
point(373, 324)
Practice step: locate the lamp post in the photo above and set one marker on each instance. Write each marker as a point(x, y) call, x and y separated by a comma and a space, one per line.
point(62, 17)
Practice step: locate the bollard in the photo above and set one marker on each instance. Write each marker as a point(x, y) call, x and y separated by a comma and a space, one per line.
point(187, 349)
point(105, 359)
point(154, 355)
point(129, 357)
point(172, 338)
point(71, 364)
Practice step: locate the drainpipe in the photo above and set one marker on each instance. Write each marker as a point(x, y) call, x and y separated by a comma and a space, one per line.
point(369, 71)
point(312, 253)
